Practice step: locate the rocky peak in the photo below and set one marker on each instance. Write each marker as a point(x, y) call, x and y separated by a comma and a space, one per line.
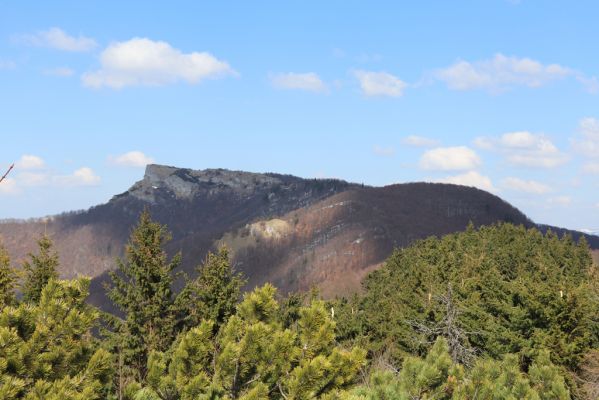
point(185, 183)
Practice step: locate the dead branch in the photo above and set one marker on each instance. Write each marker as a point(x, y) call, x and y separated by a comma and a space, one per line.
point(6, 173)
point(450, 328)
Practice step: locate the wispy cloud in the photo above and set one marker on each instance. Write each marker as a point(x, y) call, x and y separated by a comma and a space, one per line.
point(9, 187)
point(144, 62)
point(591, 84)
point(380, 84)
point(527, 186)
point(562, 201)
point(308, 81)
point(472, 179)
point(450, 158)
point(31, 171)
point(420, 141)
point(83, 176)
point(591, 168)
point(587, 141)
point(524, 149)
point(60, 71)
point(58, 39)
point(7, 64)
point(29, 161)
point(500, 73)
point(131, 159)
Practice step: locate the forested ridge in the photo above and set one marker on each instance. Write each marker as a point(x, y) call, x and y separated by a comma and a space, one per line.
point(496, 312)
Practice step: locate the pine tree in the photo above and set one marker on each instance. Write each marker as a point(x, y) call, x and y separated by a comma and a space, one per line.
point(214, 294)
point(40, 270)
point(433, 377)
point(253, 356)
point(547, 379)
point(7, 279)
point(437, 377)
point(47, 350)
point(142, 290)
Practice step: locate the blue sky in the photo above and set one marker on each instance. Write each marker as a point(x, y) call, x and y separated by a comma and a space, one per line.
point(498, 94)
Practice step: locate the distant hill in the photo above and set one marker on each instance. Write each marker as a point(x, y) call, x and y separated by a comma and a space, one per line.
point(291, 231)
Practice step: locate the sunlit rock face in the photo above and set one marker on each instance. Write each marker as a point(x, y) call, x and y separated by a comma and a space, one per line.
point(186, 183)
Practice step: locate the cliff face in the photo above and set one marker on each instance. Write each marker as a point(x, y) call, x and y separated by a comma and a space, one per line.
point(291, 231)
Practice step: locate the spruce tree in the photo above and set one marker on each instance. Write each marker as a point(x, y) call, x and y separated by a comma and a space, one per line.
point(513, 290)
point(213, 295)
point(39, 270)
point(142, 291)
point(7, 279)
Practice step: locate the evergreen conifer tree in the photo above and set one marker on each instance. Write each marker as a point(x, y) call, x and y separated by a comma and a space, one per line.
point(253, 356)
point(142, 291)
point(7, 279)
point(40, 269)
point(47, 350)
point(437, 377)
point(214, 294)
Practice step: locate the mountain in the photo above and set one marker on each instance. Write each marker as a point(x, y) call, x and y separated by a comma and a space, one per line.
point(294, 232)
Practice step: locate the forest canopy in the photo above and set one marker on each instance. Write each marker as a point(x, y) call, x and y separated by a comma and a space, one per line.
point(499, 312)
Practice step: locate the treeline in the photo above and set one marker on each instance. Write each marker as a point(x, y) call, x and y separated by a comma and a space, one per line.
point(496, 313)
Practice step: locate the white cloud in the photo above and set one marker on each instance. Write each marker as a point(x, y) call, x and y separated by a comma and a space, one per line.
point(591, 168)
point(383, 151)
point(527, 186)
point(32, 172)
point(536, 160)
point(588, 141)
point(28, 161)
point(380, 84)
point(308, 81)
point(419, 141)
point(560, 201)
point(83, 176)
point(8, 187)
point(470, 178)
point(56, 38)
point(450, 158)
point(131, 159)
point(500, 73)
point(144, 62)
point(61, 71)
point(524, 149)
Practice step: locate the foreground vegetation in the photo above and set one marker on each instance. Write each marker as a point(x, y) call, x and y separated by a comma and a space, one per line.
point(496, 313)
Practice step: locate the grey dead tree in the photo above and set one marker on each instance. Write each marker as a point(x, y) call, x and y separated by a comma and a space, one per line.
point(449, 327)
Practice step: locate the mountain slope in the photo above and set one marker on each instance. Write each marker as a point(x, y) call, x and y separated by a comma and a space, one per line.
point(335, 242)
point(294, 232)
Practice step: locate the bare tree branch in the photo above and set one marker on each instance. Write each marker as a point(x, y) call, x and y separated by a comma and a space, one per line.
point(6, 173)
point(450, 328)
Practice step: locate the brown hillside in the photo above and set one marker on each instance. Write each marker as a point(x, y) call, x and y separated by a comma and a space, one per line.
point(335, 242)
